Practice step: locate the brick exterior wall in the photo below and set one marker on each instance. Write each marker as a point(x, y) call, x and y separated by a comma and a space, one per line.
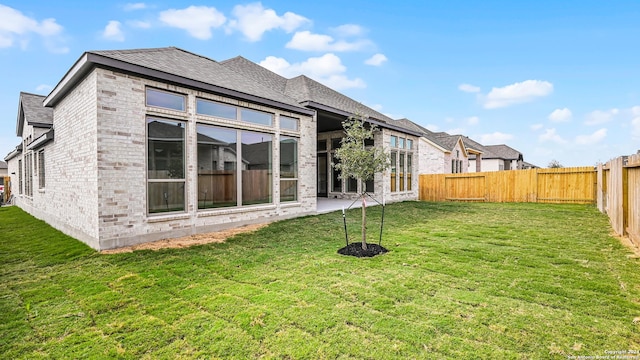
point(121, 156)
point(68, 200)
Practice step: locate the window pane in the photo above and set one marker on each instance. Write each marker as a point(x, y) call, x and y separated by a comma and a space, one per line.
point(393, 142)
point(409, 171)
point(368, 142)
point(369, 185)
point(288, 190)
point(401, 180)
point(335, 175)
point(41, 174)
point(211, 108)
point(393, 156)
point(165, 99)
point(336, 143)
point(352, 185)
point(165, 196)
point(165, 151)
point(288, 157)
point(409, 144)
point(256, 117)
point(322, 145)
point(401, 143)
point(288, 123)
point(217, 174)
point(256, 168)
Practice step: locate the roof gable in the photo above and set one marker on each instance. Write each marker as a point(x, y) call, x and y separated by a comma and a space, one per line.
point(32, 112)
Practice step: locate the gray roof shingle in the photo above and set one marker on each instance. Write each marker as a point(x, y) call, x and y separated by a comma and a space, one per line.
point(504, 152)
point(175, 61)
point(33, 110)
point(302, 88)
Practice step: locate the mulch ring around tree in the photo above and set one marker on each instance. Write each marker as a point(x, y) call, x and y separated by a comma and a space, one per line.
point(355, 249)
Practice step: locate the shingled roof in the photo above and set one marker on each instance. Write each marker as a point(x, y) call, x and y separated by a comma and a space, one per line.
point(31, 110)
point(180, 67)
point(303, 89)
point(504, 152)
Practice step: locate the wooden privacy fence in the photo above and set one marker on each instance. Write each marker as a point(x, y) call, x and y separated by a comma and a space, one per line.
point(619, 195)
point(563, 185)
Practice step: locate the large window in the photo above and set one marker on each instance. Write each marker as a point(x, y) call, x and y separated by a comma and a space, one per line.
point(217, 167)
point(256, 173)
point(165, 99)
point(41, 173)
point(288, 169)
point(394, 170)
point(20, 177)
point(212, 108)
point(401, 163)
point(165, 165)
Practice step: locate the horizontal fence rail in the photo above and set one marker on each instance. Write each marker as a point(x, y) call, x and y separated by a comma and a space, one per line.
point(562, 185)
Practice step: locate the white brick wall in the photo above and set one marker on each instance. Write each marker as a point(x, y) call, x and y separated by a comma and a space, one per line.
point(121, 156)
point(69, 200)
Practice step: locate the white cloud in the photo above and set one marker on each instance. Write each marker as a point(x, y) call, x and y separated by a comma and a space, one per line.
point(44, 88)
point(307, 41)
point(16, 27)
point(536, 127)
point(327, 69)
point(376, 60)
point(495, 138)
point(592, 138)
point(253, 20)
point(560, 115)
point(139, 24)
point(113, 31)
point(196, 20)
point(474, 120)
point(635, 127)
point(348, 30)
point(600, 117)
point(550, 135)
point(134, 6)
point(516, 93)
point(468, 88)
point(432, 127)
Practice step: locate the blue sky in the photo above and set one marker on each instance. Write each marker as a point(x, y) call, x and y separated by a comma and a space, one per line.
point(553, 79)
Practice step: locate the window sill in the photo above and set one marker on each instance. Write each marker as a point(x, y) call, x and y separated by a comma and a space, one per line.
point(234, 210)
point(151, 218)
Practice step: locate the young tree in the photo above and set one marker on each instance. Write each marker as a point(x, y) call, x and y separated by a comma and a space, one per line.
point(359, 161)
point(554, 164)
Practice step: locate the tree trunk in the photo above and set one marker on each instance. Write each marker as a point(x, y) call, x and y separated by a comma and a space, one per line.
point(364, 222)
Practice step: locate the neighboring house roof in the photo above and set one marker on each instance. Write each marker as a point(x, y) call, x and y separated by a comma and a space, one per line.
point(303, 89)
point(179, 67)
point(31, 110)
point(504, 152)
point(3, 165)
point(443, 140)
point(474, 145)
point(527, 165)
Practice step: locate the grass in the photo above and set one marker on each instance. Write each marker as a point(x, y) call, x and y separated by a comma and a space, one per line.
point(520, 281)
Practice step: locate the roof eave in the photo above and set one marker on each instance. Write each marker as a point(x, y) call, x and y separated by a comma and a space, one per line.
point(374, 121)
point(89, 60)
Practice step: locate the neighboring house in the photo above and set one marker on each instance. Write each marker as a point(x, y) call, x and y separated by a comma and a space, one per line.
point(160, 143)
point(440, 153)
point(4, 170)
point(494, 157)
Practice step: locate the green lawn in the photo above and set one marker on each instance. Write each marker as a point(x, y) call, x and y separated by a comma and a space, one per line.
point(494, 281)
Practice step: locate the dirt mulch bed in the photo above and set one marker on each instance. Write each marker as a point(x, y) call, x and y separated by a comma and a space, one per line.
point(183, 242)
point(355, 249)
